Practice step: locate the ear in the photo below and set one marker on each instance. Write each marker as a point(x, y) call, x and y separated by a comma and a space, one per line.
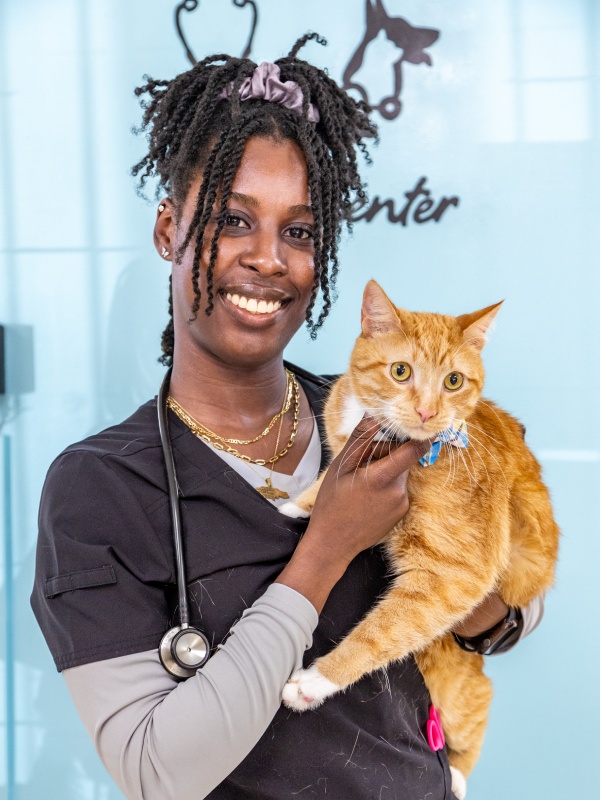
point(476, 325)
point(164, 229)
point(378, 314)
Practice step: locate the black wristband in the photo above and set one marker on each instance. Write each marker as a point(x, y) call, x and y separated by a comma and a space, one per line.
point(500, 637)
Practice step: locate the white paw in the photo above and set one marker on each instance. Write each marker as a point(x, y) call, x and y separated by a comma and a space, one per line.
point(459, 784)
point(307, 688)
point(292, 510)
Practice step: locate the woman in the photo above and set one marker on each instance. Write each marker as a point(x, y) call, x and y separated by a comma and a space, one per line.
point(259, 167)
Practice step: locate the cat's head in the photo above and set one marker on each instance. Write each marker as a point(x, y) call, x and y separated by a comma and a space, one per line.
point(417, 371)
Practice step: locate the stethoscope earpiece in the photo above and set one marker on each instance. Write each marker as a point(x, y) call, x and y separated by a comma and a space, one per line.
point(183, 650)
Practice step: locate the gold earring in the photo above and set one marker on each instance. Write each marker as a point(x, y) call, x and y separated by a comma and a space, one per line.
point(164, 252)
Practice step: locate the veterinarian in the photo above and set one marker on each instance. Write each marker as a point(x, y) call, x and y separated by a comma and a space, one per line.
point(258, 168)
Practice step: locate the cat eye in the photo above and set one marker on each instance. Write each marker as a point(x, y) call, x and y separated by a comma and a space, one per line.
point(401, 371)
point(453, 381)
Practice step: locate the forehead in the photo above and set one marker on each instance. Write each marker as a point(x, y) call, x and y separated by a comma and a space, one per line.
point(431, 339)
point(270, 167)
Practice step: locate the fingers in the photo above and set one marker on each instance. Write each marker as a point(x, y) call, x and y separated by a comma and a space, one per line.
point(360, 444)
point(386, 459)
point(402, 457)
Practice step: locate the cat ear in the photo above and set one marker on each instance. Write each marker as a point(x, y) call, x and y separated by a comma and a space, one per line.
point(476, 325)
point(378, 315)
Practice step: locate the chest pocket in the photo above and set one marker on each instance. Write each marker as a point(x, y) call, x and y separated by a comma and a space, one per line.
point(82, 579)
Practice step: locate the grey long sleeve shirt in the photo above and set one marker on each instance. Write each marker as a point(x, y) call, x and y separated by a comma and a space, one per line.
point(164, 740)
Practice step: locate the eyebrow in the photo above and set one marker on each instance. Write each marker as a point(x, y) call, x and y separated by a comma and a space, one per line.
point(253, 203)
point(245, 198)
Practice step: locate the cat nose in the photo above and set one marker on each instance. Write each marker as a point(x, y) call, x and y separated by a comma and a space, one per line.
point(425, 414)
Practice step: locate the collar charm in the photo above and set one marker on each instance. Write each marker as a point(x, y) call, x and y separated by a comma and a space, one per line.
point(456, 435)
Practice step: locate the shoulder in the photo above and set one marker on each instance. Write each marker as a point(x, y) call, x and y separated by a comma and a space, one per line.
point(317, 385)
point(135, 434)
point(124, 459)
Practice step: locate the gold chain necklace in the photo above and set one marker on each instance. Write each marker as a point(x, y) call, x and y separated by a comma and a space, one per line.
point(270, 492)
point(183, 415)
point(215, 440)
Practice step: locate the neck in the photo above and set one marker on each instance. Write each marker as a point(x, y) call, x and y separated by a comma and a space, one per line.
point(232, 397)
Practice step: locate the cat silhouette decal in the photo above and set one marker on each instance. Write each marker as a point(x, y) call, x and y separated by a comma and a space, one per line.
point(410, 40)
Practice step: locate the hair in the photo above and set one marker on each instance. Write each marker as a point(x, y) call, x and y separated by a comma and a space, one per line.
point(191, 130)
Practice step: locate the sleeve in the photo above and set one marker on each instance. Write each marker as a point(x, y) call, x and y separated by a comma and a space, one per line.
point(164, 740)
point(100, 567)
point(532, 615)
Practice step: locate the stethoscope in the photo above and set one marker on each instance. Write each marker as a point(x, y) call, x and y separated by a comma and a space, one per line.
point(183, 649)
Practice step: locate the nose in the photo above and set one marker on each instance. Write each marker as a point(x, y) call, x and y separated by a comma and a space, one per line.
point(264, 254)
point(425, 414)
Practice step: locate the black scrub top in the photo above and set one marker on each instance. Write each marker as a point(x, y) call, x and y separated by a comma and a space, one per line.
point(105, 587)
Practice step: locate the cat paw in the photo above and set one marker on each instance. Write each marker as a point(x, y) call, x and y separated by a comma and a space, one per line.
point(292, 510)
point(307, 688)
point(459, 784)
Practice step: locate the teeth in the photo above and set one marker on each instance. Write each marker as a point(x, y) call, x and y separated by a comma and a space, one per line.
point(253, 305)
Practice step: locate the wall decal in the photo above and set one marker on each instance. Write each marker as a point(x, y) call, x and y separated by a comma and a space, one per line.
point(417, 205)
point(410, 40)
point(426, 210)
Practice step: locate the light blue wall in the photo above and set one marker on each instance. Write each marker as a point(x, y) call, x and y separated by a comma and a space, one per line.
point(507, 118)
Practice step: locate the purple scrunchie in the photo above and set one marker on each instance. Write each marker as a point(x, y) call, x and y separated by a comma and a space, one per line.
point(265, 84)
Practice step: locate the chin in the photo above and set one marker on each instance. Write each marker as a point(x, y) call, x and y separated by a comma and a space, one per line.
point(423, 433)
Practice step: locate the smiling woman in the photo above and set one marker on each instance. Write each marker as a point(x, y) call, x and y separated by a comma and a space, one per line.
point(258, 165)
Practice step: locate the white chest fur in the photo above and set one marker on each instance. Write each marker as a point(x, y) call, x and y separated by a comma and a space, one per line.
point(353, 411)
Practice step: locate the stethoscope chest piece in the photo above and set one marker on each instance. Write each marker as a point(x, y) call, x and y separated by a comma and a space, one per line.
point(183, 650)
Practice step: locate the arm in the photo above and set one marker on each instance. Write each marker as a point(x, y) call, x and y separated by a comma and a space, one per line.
point(156, 742)
point(164, 740)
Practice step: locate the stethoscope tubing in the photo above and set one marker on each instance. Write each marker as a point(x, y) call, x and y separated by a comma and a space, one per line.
point(163, 428)
point(184, 648)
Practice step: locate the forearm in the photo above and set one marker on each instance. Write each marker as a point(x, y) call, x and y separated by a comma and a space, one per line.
point(163, 740)
point(313, 572)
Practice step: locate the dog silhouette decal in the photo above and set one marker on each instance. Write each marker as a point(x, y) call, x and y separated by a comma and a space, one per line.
point(412, 41)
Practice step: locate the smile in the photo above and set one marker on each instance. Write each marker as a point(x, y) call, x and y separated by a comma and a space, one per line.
point(253, 305)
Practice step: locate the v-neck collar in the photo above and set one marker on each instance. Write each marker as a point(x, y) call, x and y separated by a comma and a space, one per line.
point(197, 463)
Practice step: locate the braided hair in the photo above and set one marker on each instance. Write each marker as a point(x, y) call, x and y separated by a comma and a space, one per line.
point(191, 128)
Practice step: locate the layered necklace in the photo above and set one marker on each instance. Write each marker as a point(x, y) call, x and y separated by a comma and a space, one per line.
point(292, 395)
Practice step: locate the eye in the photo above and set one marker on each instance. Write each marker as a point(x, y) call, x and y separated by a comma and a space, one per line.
point(453, 381)
point(401, 371)
point(297, 232)
point(233, 221)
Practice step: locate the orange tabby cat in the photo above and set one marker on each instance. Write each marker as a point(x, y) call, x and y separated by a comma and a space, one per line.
point(480, 517)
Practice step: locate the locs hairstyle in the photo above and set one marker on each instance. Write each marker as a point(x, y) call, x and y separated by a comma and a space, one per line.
point(191, 129)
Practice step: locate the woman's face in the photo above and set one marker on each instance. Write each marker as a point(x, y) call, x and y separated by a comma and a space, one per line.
point(264, 270)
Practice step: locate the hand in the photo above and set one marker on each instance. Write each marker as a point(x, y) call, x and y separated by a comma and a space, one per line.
point(363, 496)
